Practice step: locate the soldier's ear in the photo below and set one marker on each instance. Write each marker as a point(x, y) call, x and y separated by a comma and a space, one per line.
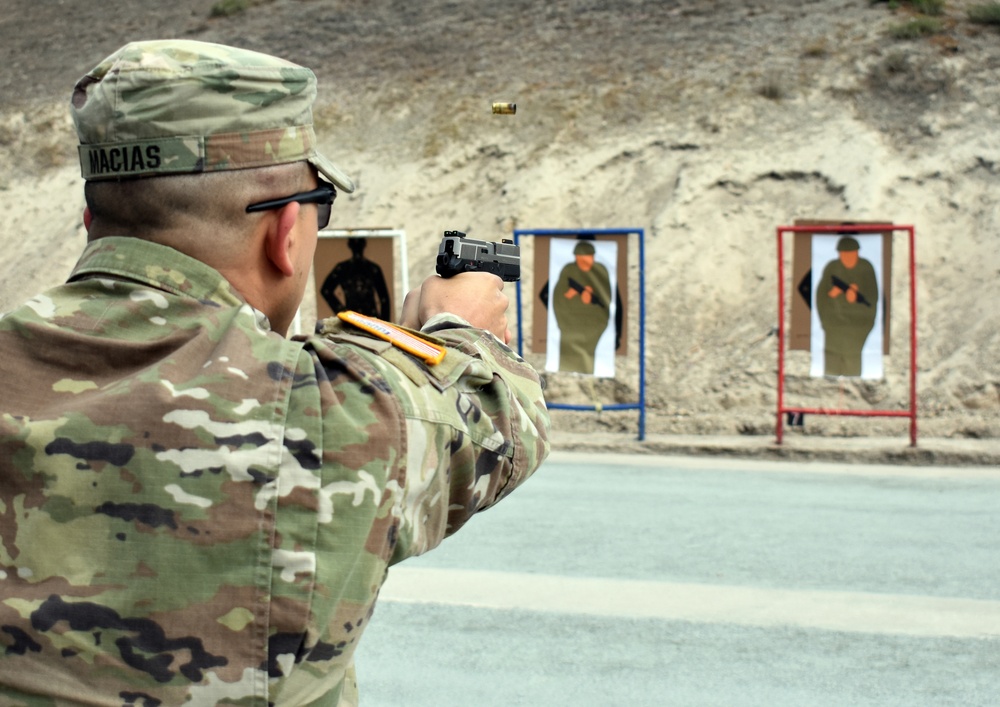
point(281, 238)
point(87, 218)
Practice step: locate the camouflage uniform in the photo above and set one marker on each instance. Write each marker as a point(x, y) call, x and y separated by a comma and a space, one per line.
point(194, 509)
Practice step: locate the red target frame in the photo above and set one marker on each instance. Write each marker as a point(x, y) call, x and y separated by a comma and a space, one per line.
point(784, 409)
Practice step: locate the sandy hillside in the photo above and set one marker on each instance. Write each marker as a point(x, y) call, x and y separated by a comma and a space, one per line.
point(706, 124)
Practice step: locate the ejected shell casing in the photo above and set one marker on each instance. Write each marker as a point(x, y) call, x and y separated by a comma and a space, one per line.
point(504, 108)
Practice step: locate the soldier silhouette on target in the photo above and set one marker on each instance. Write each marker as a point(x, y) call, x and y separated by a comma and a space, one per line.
point(357, 284)
point(846, 301)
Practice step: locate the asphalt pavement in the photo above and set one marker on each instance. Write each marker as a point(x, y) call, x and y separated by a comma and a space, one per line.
point(658, 580)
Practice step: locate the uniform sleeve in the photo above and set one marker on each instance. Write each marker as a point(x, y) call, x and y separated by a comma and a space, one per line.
point(869, 288)
point(558, 301)
point(475, 426)
point(823, 300)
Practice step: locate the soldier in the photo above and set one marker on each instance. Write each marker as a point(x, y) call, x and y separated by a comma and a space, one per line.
point(581, 302)
point(846, 301)
point(194, 508)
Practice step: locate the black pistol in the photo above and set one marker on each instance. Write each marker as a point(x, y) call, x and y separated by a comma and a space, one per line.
point(458, 254)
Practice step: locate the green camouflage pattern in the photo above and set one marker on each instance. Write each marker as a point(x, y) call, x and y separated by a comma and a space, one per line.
point(182, 106)
point(196, 510)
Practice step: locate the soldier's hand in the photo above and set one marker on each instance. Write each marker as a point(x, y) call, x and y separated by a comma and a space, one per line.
point(476, 297)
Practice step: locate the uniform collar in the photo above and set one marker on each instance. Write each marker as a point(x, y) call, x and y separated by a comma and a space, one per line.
point(158, 266)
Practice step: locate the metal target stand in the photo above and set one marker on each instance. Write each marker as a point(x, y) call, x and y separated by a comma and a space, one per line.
point(639, 405)
point(911, 412)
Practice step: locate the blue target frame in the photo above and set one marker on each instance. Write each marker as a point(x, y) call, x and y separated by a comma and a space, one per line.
point(640, 405)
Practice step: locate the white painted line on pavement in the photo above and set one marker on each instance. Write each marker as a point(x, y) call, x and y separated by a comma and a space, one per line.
point(855, 612)
point(719, 463)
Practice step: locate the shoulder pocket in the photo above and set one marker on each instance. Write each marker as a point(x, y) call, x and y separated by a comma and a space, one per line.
point(446, 373)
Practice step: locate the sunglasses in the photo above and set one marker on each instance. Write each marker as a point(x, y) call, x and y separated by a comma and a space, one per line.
point(322, 196)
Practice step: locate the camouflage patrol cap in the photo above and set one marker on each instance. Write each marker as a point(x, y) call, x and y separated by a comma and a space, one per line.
point(182, 106)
